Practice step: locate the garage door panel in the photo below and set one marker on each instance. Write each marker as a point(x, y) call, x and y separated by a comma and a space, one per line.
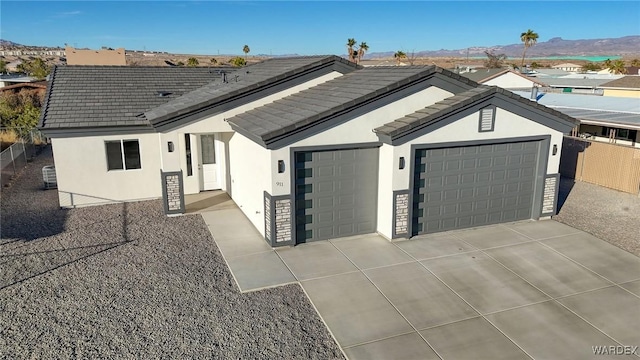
point(477, 185)
point(513, 174)
point(336, 193)
point(467, 207)
point(527, 186)
point(511, 201)
point(483, 163)
point(467, 178)
point(498, 175)
point(325, 171)
point(451, 180)
point(483, 177)
point(499, 161)
point(324, 186)
point(482, 191)
point(469, 164)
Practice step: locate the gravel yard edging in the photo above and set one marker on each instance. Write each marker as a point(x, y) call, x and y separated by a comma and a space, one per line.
point(610, 215)
point(126, 281)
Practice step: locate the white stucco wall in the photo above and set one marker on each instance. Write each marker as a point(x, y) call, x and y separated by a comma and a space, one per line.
point(507, 125)
point(217, 124)
point(387, 162)
point(358, 130)
point(250, 175)
point(510, 80)
point(83, 179)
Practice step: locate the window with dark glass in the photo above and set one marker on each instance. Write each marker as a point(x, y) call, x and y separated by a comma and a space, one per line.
point(187, 144)
point(123, 155)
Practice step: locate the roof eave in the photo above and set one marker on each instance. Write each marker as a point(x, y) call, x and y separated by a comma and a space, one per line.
point(61, 132)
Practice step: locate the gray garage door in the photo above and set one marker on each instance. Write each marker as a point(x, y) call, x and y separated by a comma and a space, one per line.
point(336, 193)
point(470, 186)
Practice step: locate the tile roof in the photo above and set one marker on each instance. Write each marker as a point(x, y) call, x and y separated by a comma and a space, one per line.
point(628, 82)
point(331, 98)
point(107, 96)
point(454, 104)
point(243, 81)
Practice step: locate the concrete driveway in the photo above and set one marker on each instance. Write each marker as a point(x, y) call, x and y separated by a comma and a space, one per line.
point(539, 290)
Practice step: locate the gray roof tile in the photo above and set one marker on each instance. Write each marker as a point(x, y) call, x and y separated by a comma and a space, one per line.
point(240, 82)
point(303, 108)
point(90, 96)
point(444, 108)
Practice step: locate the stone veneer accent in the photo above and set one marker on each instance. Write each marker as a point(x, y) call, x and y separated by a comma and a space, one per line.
point(172, 192)
point(549, 195)
point(283, 220)
point(400, 213)
point(278, 228)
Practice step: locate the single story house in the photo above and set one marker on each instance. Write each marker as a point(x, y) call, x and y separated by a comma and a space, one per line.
point(567, 67)
point(628, 86)
point(13, 79)
point(504, 78)
point(309, 148)
point(602, 118)
point(39, 86)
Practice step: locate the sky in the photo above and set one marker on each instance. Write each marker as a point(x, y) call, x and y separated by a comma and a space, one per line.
point(308, 27)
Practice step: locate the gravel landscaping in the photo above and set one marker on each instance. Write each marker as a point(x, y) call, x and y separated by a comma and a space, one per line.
point(125, 281)
point(608, 214)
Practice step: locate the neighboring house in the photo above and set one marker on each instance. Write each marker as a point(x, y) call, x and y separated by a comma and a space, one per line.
point(632, 70)
point(628, 86)
point(608, 119)
point(544, 72)
point(95, 57)
point(13, 79)
point(584, 85)
point(40, 86)
point(504, 78)
point(567, 67)
point(309, 148)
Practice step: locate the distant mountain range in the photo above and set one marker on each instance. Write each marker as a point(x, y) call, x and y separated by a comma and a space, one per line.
point(627, 45)
point(8, 43)
point(554, 47)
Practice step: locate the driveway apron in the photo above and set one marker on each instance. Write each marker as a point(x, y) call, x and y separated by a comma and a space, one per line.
point(532, 289)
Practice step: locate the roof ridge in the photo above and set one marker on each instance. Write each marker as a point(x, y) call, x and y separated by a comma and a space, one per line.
point(45, 106)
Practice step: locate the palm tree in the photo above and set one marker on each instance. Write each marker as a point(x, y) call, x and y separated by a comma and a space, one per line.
point(618, 67)
point(362, 50)
point(399, 55)
point(246, 51)
point(350, 44)
point(529, 38)
point(635, 62)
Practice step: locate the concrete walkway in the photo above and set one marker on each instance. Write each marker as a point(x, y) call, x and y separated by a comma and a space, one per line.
point(523, 290)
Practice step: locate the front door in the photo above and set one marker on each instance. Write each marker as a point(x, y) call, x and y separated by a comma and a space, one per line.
point(208, 165)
